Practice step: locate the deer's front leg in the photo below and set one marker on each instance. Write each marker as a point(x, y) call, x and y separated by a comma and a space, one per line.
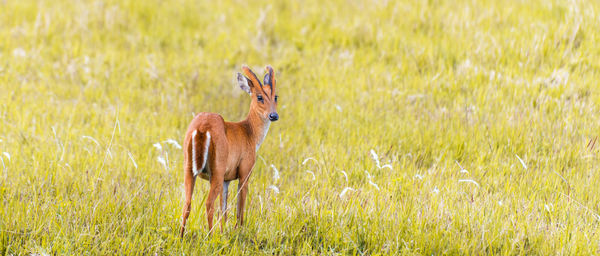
point(243, 188)
point(245, 171)
point(224, 204)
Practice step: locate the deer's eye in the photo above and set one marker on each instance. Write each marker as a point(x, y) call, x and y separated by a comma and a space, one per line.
point(260, 98)
point(276, 97)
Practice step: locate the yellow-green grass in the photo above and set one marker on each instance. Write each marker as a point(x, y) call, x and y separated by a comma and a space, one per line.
point(506, 89)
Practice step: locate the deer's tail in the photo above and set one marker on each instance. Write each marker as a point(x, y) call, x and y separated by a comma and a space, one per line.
point(200, 142)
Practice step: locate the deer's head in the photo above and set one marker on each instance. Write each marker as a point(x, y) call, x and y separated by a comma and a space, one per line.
point(264, 99)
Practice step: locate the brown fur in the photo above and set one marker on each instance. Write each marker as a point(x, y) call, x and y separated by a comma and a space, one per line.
point(231, 153)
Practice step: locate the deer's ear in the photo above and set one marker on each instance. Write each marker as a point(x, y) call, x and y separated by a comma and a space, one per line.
point(252, 79)
point(244, 83)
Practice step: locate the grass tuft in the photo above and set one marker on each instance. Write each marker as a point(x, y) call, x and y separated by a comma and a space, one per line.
point(407, 127)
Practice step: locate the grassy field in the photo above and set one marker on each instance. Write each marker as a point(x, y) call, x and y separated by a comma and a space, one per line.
point(406, 127)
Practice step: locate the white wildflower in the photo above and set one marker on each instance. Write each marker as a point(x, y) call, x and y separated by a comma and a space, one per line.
point(469, 181)
point(369, 177)
point(174, 143)
point(376, 158)
point(19, 52)
point(162, 161)
point(275, 173)
point(92, 139)
point(313, 174)
point(133, 161)
point(345, 190)
point(521, 160)
point(310, 158)
point(345, 175)
point(274, 188)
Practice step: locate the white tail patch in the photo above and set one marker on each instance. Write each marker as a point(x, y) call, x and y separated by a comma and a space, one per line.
point(206, 144)
point(195, 168)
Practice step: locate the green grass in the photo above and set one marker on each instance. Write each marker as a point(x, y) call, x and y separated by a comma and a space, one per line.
point(427, 85)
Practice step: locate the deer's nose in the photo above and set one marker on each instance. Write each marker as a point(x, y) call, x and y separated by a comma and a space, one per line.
point(273, 116)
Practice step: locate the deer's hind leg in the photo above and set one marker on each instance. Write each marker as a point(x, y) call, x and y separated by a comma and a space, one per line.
point(224, 196)
point(217, 169)
point(189, 181)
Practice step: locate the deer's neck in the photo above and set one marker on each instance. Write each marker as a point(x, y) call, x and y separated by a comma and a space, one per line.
point(258, 128)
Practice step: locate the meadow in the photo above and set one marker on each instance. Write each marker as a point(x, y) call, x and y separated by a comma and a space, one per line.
point(406, 127)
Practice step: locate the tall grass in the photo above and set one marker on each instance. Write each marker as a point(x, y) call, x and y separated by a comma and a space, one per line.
point(407, 127)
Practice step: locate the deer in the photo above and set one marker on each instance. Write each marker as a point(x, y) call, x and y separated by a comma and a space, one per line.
point(220, 151)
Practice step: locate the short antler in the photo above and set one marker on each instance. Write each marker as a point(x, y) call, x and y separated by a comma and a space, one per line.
point(270, 78)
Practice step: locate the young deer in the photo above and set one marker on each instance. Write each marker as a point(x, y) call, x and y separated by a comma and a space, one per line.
point(220, 151)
